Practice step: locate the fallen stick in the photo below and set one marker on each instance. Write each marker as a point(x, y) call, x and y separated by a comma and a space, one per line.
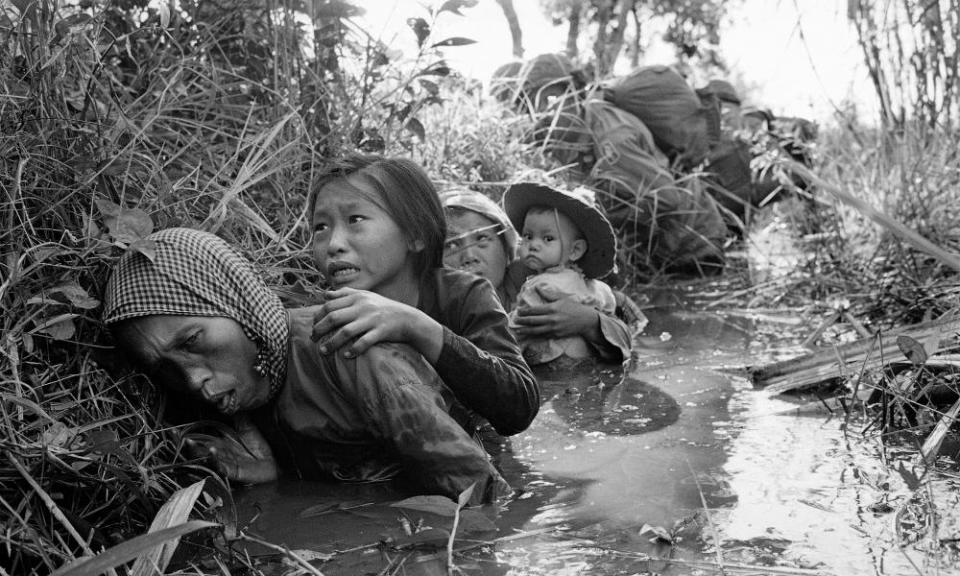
point(867, 353)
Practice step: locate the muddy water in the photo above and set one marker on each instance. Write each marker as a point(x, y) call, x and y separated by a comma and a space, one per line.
point(674, 468)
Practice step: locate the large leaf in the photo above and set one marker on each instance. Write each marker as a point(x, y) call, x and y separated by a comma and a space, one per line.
point(59, 327)
point(175, 511)
point(472, 521)
point(455, 6)
point(126, 225)
point(440, 505)
point(455, 41)
point(127, 551)
point(912, 349)
point(420, 28)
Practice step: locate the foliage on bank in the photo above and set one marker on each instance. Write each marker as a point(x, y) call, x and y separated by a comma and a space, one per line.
point(122, 118)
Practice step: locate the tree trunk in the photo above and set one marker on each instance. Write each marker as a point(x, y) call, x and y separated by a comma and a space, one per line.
point(615, 41)
point(573, 32)
point(515, 33)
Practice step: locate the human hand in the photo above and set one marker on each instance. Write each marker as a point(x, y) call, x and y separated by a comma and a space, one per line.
point(244, 457)
point(560, 315)
point(355, 320)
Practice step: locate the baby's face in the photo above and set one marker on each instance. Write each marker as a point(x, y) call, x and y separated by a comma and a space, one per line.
point(548, 239)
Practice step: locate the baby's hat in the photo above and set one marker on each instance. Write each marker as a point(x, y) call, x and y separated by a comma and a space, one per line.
point(580, 205)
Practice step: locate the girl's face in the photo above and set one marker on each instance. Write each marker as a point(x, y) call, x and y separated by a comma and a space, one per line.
point(549, 239)
point(356, 243)
point(206, 356)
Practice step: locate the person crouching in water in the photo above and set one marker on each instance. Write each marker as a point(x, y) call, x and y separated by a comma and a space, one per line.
point(198, 319)
point(569, 244)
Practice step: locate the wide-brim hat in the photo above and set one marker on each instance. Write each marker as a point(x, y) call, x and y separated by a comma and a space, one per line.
point(580, 205)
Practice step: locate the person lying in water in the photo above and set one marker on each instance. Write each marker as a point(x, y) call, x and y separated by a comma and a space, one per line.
point(378, 233)
point(481, 240)
point(198, 319)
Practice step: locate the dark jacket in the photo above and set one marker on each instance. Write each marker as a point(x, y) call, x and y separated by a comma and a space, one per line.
point(369, 418)
point(480, 360)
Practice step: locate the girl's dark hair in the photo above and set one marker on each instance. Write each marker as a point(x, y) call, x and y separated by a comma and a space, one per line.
point(404, 191)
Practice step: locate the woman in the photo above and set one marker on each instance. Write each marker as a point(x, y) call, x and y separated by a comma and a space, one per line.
point(480, 239)
point(198, 319)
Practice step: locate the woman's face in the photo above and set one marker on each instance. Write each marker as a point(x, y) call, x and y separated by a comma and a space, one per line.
point(209, 357)
point(358, 244)
point(474, 244)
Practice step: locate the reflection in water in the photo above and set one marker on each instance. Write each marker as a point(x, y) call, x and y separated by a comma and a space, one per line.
point(611, 460)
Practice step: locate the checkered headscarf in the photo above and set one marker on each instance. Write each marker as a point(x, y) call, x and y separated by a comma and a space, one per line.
point(194, 273)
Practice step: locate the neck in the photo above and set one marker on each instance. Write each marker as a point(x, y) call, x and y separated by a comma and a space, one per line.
point(405, 290)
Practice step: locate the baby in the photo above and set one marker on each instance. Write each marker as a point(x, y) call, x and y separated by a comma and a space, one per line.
point(568, 244)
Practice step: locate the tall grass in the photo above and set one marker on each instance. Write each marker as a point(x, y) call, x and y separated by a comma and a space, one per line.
point(912, 179)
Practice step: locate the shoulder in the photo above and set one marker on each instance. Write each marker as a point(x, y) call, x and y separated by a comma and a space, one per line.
point(457, 284)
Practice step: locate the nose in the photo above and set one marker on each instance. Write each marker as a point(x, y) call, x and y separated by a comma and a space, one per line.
point(469, 254)
point(198, 381)
point(336, 240)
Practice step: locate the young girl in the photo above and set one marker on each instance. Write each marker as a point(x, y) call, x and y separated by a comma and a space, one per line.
point(378, 235)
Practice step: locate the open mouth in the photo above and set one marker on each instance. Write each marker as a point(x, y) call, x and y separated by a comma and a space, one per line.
point(341, 272)
point(226, 403)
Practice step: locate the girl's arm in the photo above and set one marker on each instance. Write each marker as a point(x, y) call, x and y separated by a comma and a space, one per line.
point(354, 320)
point(480, 359)
point(463, 333)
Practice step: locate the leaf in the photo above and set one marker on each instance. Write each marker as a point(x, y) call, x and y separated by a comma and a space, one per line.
point(102, 441)
point(59, 327)
point(455, 41)
point(146, 247)
point(472, 521)
point(435, 69)
point(63, 27)
point(912, 349)
point(464, 497)
point(126, 225)
point(164, 9)
point(77, 296)
point(440, 505)
point(429, 86)
point(455, 6)
point(127, 551)
point(174, 512)
point(420, 28)
point(416, 127)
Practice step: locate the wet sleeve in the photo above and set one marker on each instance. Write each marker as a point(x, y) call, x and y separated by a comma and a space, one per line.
point(483, 366)
point(617, 340)
point(400, 401)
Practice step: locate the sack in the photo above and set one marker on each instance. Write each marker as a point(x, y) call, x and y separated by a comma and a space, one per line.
point(669, 107)
point(661, 224)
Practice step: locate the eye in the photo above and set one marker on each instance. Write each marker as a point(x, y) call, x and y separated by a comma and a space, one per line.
point(548, 238)
point(527, 236)
point(320, 227)
point(451, 245)
point(356, 218)
point(191, 342)
point(483, 238)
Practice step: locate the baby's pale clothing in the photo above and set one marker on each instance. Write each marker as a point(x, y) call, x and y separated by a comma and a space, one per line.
point(563, 282)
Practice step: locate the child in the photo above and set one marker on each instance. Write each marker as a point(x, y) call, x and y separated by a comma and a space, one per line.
point(569, 244)
point(378, 236)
